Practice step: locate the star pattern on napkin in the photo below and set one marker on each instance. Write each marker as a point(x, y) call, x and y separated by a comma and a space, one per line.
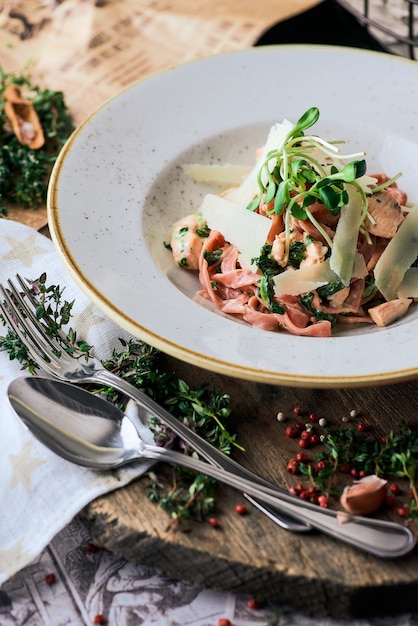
point(24, 250)
point(36, 480)
point(88, 317)
point(23, 464)
point(108, 478)
point(15, 556)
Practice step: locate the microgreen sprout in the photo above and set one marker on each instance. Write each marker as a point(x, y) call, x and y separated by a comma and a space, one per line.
point(305, 170)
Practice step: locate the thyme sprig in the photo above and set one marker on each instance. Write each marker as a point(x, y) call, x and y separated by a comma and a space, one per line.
point(394, 456)
point(24, 172)
point(179, 491)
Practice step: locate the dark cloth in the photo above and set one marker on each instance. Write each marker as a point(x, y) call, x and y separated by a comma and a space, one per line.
point(327, 23)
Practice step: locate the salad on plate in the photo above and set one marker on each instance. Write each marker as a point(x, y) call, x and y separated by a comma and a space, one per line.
point(305, 241)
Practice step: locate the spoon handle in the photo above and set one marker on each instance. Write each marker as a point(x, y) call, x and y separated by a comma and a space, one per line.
point(378, 537)
point(204, 449)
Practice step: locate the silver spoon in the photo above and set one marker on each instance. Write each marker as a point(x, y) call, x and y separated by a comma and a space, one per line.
point(87, 430)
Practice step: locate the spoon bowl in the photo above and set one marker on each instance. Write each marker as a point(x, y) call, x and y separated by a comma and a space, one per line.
point(87, 430)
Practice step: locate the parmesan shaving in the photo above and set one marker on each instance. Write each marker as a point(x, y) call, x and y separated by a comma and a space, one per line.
point(245, 193)
point(225, 175)
point(409, 285)
point(397, 258)
point(304, 279)
point(344, 245)
point(246, 230)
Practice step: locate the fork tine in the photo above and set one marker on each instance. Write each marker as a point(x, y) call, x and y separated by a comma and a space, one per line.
point(26, 317)
point(37, 342)
point(42, 328)
point(29, 294)
point(13, 326)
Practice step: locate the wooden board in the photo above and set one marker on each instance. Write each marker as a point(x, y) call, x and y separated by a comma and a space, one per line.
point(250, 554)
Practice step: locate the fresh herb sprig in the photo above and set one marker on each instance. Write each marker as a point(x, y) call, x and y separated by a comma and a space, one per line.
point(392, 457)
point(300, 179)
point(24, 172)
point(181, 492)
point(268, 268)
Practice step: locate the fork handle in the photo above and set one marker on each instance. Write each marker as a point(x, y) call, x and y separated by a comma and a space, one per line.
point(206, 450)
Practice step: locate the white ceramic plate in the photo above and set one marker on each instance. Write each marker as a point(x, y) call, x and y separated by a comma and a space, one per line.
point(118, 186)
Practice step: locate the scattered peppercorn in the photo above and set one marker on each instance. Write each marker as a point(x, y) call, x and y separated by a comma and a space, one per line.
point(403, 510)
point(241, 509)
point(323, 501)
point(395, 489)
point(99, 619)
point(291, 432)
point(50, 579)
point(252, 603)
point(92, 548)
point(293, 466)
point(214, 522)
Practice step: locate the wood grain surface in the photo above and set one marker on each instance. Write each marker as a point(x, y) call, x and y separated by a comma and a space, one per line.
point(250, 554)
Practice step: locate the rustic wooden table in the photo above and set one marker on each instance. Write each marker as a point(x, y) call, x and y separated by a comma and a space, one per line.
point(251, 554)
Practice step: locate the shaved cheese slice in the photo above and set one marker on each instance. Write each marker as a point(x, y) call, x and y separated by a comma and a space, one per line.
point(304, 279)
point(360, 268)
point(409, 285)
point(243, 194)
point(344, 245)
point(246, 230)
point(366, 182)
point(225, 175)
point(397, 257)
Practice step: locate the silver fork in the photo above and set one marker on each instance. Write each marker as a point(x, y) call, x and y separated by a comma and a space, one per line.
point(19, 314)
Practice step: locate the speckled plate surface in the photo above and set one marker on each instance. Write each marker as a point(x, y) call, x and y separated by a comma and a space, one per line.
point(118, 186)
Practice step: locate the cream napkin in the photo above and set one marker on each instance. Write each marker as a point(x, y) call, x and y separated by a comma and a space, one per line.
point(40, 493)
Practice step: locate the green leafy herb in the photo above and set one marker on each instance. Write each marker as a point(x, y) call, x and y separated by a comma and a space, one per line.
point(307, 171)
point(306, 301)
point(297, 253)
point(268, 268)
point(212, 257)
point(325, 291)
point(392, 457)
point(24, 173)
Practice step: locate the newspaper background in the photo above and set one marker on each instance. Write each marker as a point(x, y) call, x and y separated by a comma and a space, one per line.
point(91, 50)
